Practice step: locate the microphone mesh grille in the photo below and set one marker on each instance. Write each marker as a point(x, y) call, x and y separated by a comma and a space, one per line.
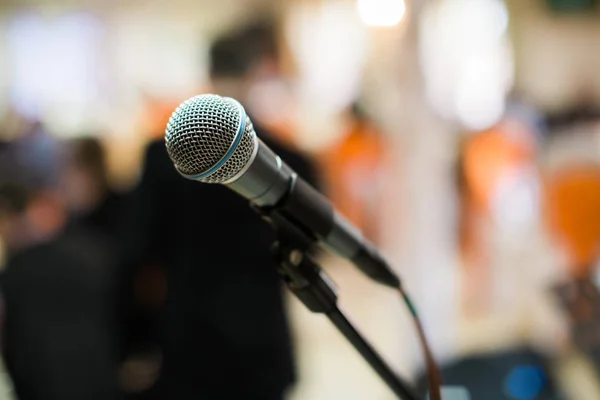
point(238, 160)
point(201, 131)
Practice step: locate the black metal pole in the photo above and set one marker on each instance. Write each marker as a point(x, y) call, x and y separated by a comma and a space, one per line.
point(307, 281)
point(393, 381)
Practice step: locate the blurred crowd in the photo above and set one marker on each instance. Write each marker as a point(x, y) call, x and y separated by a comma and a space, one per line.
point(165, 290)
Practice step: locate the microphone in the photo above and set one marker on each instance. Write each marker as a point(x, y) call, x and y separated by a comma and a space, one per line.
point(210, 139)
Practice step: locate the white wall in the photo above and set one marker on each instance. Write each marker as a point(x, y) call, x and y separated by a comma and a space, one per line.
point(558, 57)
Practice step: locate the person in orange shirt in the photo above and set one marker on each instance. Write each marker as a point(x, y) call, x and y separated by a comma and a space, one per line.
point(486, 160)
point(572, 214)
point(352, 169)
point(572, 211)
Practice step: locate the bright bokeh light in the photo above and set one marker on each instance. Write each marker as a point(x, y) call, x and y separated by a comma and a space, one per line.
point(479, 96)
point(54, 66)
point(467, 60)
point(330, 46)
point(381, 12)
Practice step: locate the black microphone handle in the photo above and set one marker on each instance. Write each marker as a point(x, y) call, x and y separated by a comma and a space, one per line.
point(269, 183)
point(309, 208)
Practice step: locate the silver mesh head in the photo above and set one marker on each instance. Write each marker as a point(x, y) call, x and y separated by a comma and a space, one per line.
point(201, 136)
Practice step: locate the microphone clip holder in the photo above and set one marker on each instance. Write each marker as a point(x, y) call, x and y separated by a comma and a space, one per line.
point(309, 283)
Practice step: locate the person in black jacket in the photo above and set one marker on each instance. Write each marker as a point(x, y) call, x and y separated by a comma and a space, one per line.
point(91, 200)
point(57, 328)
point(225, 332)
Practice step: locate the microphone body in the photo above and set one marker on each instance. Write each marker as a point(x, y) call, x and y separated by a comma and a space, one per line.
point(267, 182)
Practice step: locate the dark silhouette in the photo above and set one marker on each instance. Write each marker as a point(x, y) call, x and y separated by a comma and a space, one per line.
point(225, 331)
point(58, 326)
point(92, 201)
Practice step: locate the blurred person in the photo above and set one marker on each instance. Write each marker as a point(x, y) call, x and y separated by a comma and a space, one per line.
point(267, 94)
point(95, 206)
point(225, 333)
point(513, 331)
point(354, 166)
point(490, 162)
point(89, 196)
point(572, 211)
point(572, 216)
point(57, 325)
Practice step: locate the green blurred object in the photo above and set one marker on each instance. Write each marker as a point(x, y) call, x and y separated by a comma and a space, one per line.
point(573, 6)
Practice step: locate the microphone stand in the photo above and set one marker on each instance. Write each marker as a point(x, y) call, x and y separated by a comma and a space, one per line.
point(311, 286)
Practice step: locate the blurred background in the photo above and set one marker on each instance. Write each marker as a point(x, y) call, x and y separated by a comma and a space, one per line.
point(463, 136)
